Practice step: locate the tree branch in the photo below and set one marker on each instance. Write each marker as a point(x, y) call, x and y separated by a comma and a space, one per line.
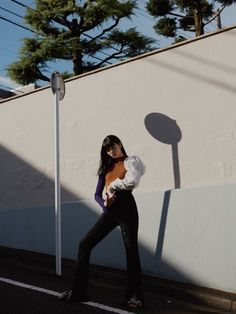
point(104, 31)
point(112, 56)
point(178, 15)
point(41, 76)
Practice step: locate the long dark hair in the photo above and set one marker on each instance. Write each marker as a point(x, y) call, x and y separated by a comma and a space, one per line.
point(107, 161)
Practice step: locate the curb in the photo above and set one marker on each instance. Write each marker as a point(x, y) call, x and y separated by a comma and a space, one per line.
point(173, 290)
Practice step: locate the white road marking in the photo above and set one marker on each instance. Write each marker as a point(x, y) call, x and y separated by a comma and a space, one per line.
point(56, 294)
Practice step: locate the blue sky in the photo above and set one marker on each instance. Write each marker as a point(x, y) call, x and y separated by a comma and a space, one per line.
point(12, 35)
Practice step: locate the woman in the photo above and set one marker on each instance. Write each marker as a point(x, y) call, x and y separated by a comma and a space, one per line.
point(119, 175)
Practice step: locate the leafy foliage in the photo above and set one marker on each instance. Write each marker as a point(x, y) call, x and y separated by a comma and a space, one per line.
point(183, 14)
point(84, 32)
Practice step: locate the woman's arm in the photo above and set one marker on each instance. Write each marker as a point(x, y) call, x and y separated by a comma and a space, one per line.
point(134, 170)
point(98, 193)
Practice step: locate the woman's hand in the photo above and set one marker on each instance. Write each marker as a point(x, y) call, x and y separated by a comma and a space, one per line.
point(110, 198)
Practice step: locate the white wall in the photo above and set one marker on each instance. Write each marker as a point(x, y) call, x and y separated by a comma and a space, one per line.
point(175, 109)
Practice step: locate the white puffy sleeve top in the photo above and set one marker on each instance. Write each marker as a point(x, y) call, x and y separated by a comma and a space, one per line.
point(134, 170)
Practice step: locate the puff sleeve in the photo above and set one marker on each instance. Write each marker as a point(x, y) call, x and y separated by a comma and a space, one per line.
point(134, 171)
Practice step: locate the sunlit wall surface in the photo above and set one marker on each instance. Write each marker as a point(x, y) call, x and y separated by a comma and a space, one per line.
point(175, 108)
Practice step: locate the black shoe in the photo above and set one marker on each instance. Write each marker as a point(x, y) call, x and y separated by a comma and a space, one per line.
point(68, 296)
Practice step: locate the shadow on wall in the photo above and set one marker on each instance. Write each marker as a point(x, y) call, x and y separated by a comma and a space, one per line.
point(165, 130)
point(23, 186)
point(33, 229)
point(27, 208)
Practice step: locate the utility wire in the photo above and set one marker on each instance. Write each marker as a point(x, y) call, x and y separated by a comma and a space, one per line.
point(7, 87)
point(12, 89)
point(34, 32)
point(18, 2)
point(10, 12)
point(146, 14)
point(26, 28)
point(86, 35)
point(14, 23)
point(3, 48)
point(154, 20)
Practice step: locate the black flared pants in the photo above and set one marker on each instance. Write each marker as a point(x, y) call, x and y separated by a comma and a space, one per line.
point(122, 213)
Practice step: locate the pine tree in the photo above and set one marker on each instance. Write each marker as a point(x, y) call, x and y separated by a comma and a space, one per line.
point(187, 15)
point(85, 32)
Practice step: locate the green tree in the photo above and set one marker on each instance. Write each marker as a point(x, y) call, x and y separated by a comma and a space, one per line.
point(184, 14)
point(85, 32)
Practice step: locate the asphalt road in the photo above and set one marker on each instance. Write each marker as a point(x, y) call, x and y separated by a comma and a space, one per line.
point(106, 297)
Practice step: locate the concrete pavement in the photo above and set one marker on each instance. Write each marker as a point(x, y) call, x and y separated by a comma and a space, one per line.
point(106, 290)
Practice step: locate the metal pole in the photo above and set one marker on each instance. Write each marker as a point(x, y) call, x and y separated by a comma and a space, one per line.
point(57, 179)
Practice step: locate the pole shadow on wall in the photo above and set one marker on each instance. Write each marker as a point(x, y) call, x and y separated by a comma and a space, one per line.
point(165, 130)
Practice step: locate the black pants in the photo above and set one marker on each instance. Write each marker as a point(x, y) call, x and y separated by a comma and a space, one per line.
point(123, 213)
